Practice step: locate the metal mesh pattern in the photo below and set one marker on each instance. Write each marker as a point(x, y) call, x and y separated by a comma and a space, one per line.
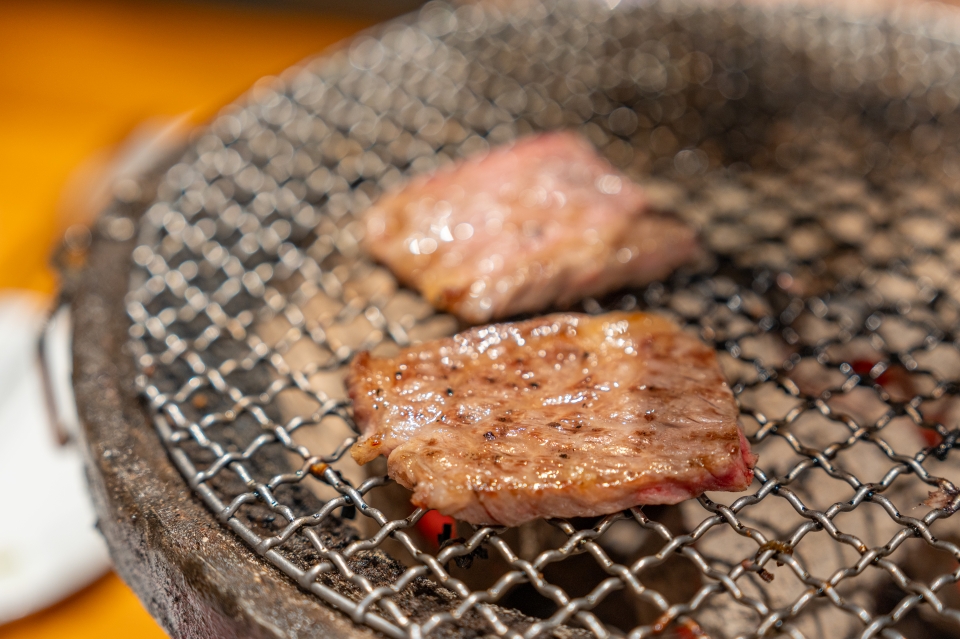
point(819, 156)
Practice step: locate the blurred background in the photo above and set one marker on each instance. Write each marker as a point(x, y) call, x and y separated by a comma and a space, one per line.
point(89, 91)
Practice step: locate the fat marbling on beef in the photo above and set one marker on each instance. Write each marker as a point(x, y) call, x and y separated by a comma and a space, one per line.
point(540, 223)
point(560, 416)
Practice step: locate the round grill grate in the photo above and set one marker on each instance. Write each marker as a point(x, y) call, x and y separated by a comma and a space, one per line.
point(818, 154)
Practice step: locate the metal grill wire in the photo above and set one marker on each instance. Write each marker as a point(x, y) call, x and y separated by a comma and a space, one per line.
point(818, 154)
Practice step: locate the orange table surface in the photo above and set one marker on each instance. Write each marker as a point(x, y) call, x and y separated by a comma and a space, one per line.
point(76, 77)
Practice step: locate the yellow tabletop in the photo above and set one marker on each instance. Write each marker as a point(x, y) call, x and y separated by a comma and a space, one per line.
point(76, 77)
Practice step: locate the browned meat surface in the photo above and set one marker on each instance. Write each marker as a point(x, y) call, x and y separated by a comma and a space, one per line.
point(544, 222)
point(560, 416)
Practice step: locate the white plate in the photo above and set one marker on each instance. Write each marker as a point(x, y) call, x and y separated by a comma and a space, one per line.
point(49, 547)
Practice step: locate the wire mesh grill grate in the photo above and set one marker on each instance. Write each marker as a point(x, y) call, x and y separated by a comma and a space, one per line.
point(819, 156)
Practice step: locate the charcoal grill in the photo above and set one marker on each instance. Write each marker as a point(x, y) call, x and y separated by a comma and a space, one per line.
point(818, 152)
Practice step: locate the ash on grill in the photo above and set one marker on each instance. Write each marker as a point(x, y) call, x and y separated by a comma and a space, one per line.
point(818, 154)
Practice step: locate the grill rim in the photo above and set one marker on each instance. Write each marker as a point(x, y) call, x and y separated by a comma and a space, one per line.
point(98, 290)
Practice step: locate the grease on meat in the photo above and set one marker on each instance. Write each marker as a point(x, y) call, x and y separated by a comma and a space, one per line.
point(560, 416)
point(540, 223)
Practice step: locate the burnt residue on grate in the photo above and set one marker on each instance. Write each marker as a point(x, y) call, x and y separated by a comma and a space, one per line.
point(818, 154)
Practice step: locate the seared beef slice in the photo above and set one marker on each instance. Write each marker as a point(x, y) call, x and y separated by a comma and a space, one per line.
point(538, 224)
point(560, 416)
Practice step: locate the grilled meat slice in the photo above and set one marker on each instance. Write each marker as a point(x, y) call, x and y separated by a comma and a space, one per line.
point(560, 416)
point(544, 222)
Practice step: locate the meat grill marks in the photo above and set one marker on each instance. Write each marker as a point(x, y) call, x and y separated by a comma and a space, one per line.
point(560, 416)
point(541, 223)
